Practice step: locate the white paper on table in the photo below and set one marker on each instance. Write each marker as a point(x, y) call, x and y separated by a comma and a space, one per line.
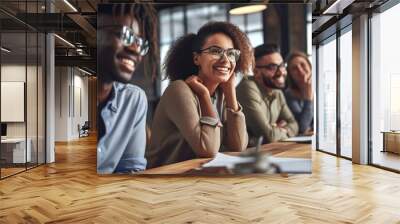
point(298, 139)
point(223, 160)
point(286, 165)
point(292, 165)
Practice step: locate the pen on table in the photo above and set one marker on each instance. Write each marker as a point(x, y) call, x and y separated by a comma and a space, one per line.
point(259, 143)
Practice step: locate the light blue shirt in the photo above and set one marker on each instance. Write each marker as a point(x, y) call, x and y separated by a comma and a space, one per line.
point(123, 145)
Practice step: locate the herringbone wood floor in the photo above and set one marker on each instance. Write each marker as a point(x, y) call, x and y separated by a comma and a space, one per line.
point(70, 191)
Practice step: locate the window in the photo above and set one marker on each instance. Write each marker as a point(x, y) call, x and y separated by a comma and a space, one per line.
point(327, 96)
point(198, 15)
point(346, 93)
point(171, 28)
point(252, 25)
point(385, 85)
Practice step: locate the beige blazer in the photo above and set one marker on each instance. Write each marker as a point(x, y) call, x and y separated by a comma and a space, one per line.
point(179, 132)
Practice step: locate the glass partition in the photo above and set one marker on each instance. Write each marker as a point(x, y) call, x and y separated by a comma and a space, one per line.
point(14, 151)
point(22, 89)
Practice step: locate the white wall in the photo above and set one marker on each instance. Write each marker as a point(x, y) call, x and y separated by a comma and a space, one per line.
point(80, 102)
point(61, 103)
point(33, 126)
point(71, 102)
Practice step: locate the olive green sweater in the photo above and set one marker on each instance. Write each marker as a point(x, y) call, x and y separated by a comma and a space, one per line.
point(263, 111)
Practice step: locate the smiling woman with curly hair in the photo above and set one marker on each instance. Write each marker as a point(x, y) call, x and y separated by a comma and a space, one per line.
point(198, 115)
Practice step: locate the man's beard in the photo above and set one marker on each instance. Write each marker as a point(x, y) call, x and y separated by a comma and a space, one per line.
point(269, 83)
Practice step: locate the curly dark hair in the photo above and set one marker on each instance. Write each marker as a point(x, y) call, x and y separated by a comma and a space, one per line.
point(179, 60)
point(290, 81)
point(146, 16)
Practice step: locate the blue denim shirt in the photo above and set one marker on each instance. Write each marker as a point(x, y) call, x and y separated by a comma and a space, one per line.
point(123, 145)
point(303, 111)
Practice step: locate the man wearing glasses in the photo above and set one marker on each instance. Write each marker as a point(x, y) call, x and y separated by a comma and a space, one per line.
point(126, 32)
point(262, 99)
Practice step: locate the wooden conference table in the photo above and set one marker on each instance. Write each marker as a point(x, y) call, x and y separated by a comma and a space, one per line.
point(278, 149)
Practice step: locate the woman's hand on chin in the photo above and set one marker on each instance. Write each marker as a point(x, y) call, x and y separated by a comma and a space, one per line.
point(197, 86)
point(306, 89)
point(229, 90)
point(203, 94)
point(228, 86)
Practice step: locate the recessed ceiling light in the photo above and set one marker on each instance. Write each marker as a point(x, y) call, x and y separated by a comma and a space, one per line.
point(65, 41)
point(247, 9)
point(84, 71)
point(70, 5)
point(5, 49)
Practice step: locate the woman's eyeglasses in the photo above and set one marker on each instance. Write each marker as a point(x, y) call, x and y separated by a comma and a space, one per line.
point(128, 37)
point(217, 52)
